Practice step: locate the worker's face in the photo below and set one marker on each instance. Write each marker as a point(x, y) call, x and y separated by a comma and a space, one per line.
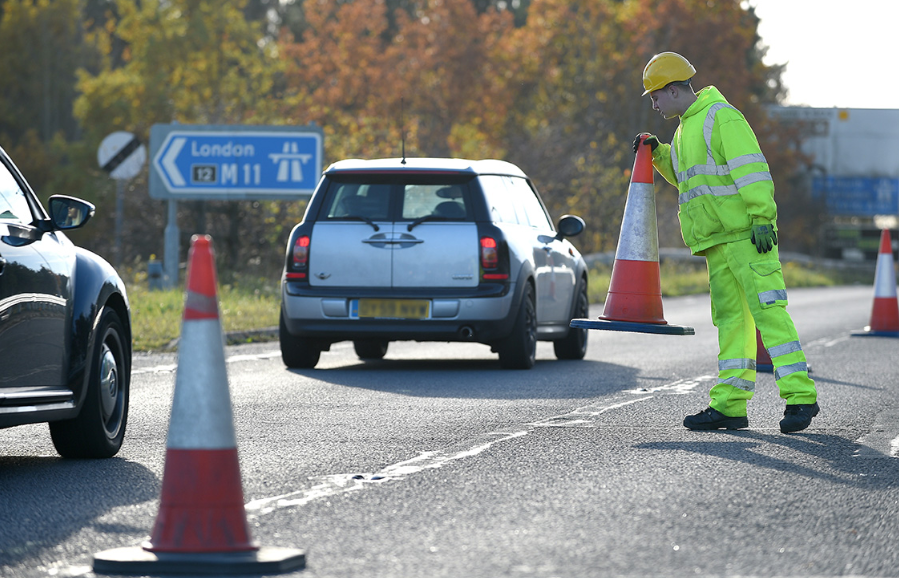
point(663, 101)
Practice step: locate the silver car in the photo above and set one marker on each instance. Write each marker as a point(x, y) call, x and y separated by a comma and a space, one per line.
point(431, 250)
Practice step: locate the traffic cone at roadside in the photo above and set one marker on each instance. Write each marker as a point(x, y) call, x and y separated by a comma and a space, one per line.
point(634, 302)
point(885, 313)
point(201, 526)
point(763, 360)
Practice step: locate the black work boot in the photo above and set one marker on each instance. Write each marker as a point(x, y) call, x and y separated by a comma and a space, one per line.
point(798, 417)
point(710, 418)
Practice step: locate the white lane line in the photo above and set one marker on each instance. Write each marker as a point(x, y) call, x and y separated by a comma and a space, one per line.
point(881, 440)
point(575, 418)
point(331, 485)
point(233, 359)
point(340, 483)
point(827, 342)
point(679, 387)
point(155, 369)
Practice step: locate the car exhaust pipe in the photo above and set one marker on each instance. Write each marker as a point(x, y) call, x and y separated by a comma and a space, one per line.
point(466, 332)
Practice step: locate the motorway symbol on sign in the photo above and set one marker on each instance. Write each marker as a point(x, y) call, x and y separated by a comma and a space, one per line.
point(121, 155)
point(233, 162)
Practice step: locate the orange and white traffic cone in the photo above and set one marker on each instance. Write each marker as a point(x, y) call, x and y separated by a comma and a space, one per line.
point(763, 360)
point(201, 525)
point(634, 301)
point(885, 313)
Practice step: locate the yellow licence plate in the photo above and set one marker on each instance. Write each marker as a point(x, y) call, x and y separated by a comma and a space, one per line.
point(395, 308)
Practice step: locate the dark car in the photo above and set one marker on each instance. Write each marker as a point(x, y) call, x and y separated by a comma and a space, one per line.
point(65, 325)
point(431, 250)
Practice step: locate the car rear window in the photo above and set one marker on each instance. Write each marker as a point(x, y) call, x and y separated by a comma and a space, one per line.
point(438, 197)
point(438, 200)
point(359, 200)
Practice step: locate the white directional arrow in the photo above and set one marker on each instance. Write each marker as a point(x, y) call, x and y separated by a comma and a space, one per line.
point(168, 161)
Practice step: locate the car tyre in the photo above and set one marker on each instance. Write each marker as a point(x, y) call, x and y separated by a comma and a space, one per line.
point(574, 345)
point(371, 348)
point(519, 350)
point(99, 428)
point(296, 352)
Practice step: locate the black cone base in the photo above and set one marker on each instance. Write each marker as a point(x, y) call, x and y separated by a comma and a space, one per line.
point(656, 328)
point(137, 560)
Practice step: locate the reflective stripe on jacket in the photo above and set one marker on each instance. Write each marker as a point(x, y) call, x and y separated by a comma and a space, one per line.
point(721, 174)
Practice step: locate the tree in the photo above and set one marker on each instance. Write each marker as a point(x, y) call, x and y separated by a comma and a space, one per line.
point(445, 57)
point(552, 85)
point(41, 46)
point(336, 76)
point(433, 79)
point(579, 66)
point(190, 61)
point(194, 61)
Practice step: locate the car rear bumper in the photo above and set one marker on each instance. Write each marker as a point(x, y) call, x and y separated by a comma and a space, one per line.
point(482, 315)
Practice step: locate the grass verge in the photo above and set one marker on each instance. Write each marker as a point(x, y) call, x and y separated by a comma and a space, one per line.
point(156, 315)
point(252, 304)
point(691, 278)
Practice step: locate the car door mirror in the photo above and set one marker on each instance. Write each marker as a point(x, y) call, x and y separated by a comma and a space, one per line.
point(69, 212)
point(570, 226)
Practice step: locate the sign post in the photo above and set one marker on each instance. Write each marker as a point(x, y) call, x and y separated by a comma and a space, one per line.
point(230, 162)
point(123, 156)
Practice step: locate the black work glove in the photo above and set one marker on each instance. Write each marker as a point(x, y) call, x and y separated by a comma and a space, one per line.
point(763, 237)
point(651, 139)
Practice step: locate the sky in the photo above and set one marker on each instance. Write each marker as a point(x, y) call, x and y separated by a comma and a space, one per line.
point(852, 42)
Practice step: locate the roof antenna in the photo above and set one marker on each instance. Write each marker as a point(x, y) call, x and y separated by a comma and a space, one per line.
point(403, 128)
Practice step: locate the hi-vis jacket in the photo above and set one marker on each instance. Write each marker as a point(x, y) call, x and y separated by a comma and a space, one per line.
point(721, 174)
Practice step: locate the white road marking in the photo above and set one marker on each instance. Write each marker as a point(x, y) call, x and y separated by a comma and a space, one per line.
point(340, 483)
point(233, 359)
point(680, 386)
point(827, 342)
point(331, 485)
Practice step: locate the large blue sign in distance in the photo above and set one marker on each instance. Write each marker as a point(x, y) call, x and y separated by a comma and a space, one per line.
point(234, 162)
point(858, 196)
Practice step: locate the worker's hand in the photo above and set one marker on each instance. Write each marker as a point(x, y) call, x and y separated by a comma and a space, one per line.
point(651, 139)
point(763, 237)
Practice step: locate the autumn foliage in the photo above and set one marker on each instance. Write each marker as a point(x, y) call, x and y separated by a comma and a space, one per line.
point(557, 92)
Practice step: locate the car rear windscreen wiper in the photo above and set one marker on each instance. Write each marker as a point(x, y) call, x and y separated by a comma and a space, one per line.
point(361, 218)
point(421, 220)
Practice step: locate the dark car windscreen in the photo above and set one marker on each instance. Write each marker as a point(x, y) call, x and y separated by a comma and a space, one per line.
point(434, 197)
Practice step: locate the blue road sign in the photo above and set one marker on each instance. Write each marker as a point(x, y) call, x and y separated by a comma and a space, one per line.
point(859, 196)
point(234, 162)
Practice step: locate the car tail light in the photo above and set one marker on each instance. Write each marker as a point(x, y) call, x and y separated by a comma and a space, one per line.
point(300, 257)
point(490, 260)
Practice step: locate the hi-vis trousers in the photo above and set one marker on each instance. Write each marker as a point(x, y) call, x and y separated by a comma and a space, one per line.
point(747, 291)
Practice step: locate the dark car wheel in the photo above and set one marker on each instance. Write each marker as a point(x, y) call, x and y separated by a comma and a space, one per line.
point(371, 348)
point(574, 345)
point(99, 429)
point(296, 352)
point(519, 350)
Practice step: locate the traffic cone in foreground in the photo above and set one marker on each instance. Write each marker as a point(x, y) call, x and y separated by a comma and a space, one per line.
point(201, 526)
point(885, 314)
point(634, 302)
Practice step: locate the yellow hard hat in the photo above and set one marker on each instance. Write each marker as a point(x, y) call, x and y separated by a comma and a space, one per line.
point(665, 68)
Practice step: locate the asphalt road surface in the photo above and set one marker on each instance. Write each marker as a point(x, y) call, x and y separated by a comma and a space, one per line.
point(436, 462)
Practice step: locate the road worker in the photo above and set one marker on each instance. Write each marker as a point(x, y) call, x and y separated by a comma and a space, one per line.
point(727, 214)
